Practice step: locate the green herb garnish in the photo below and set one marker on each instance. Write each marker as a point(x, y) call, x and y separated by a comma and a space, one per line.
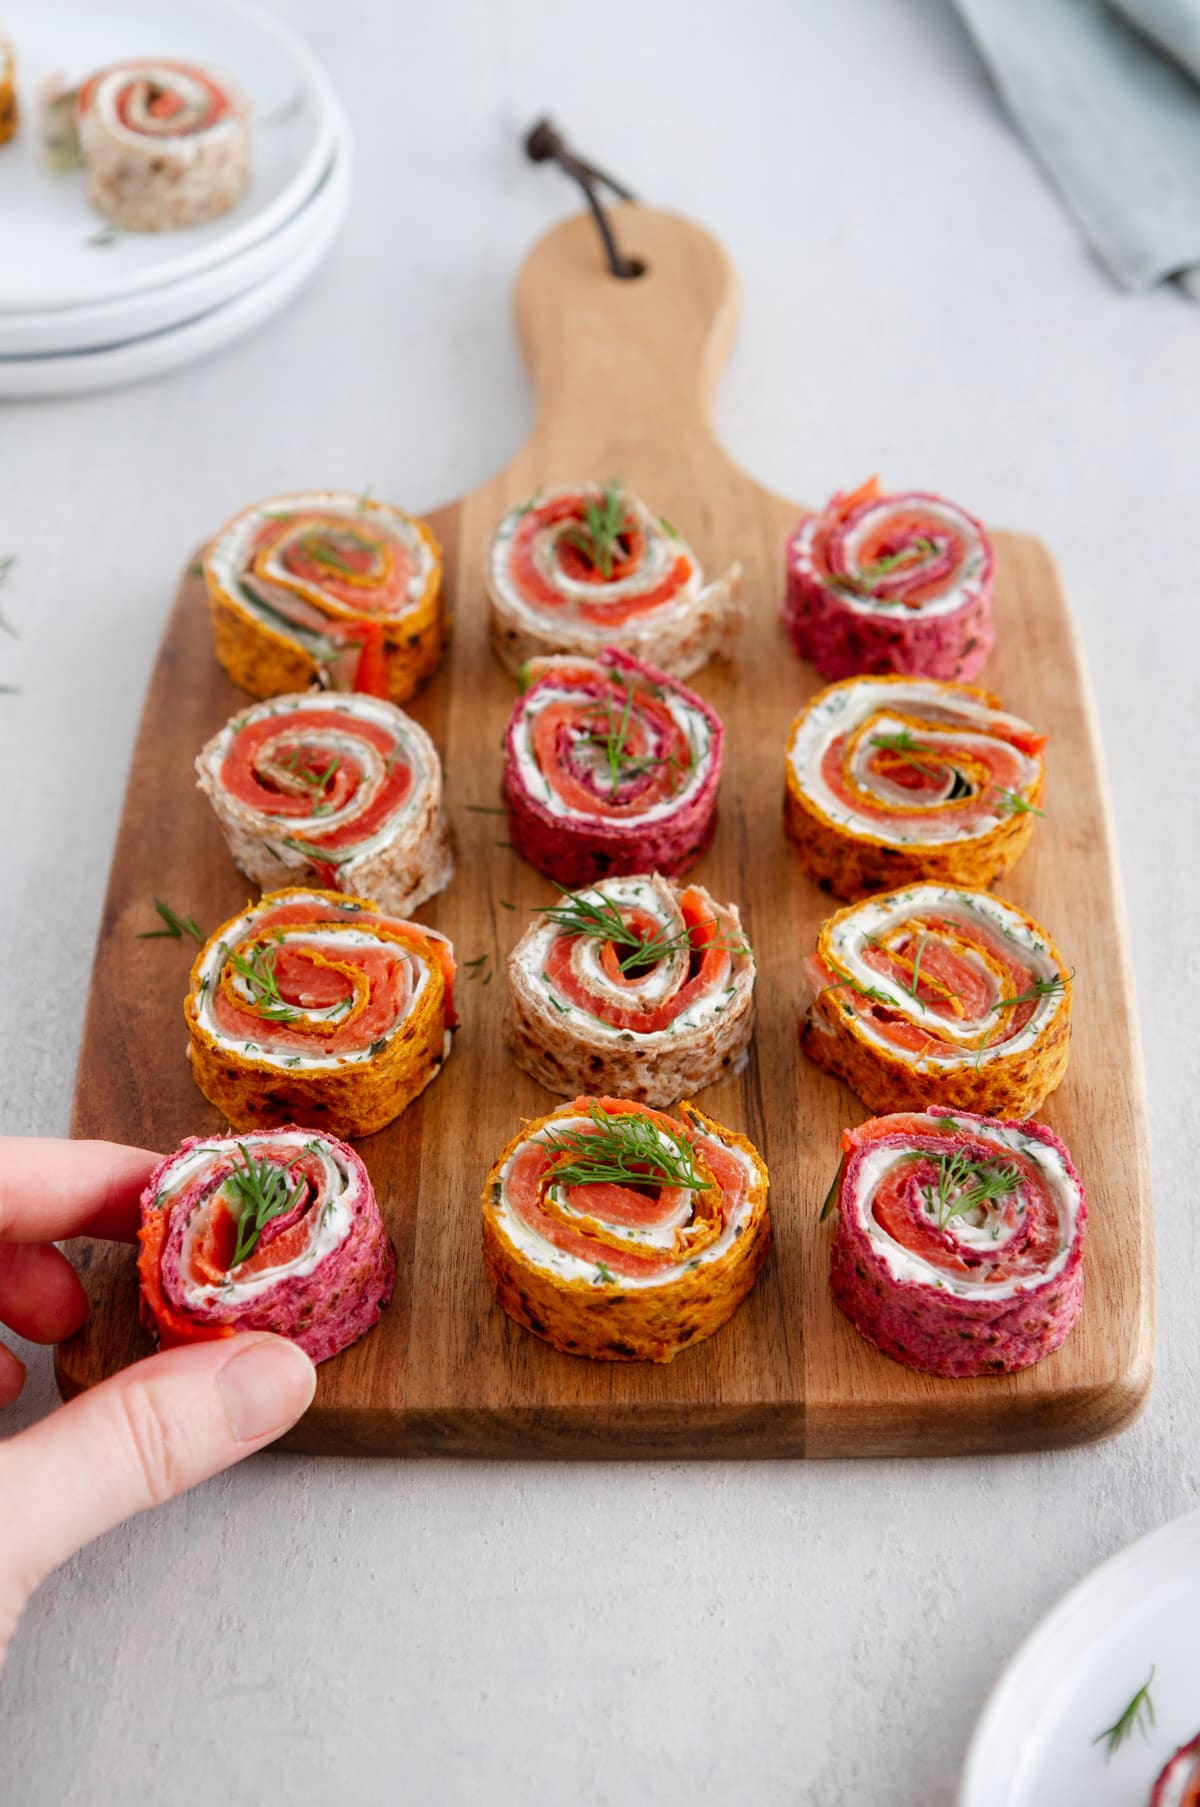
point(598, 918)
point(964, 1185)
point(916, 971)
point(6, 564)
point(627, 1150)
point(869, 575)
point(1139, 1713)
point(177, 926)
point(831, 1195)
point(479, 968)
point(1012, 803)
point(597, 536)
point(1041, 988)
point(903, 742)
point(263, 1194)
point(258, 970)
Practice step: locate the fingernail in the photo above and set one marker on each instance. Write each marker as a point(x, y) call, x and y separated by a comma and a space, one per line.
point(265, 1388)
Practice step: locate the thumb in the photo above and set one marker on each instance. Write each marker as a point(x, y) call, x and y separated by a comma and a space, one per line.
point(150, 1432)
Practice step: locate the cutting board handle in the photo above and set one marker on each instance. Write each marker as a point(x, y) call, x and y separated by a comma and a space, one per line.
point(623, 356)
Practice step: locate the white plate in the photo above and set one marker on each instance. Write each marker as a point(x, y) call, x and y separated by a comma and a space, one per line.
point(1074, 1676)
point(48, 254)
point(75, 373)
point(106, 323)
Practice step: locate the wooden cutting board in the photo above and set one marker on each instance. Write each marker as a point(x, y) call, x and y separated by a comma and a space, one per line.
point(624, 373)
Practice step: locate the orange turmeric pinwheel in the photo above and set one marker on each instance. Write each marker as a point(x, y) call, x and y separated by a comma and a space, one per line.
point(316, 1008)
point(617, 1232)
point(326, 588)
point(890, 780)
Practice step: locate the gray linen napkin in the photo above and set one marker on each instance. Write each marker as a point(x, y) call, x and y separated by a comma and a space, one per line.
point(1108, 94)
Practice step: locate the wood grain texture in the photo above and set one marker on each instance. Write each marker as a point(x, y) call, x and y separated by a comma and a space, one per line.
point(624, 374)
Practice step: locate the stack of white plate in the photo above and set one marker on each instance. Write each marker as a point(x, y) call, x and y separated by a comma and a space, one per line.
point(85, 307)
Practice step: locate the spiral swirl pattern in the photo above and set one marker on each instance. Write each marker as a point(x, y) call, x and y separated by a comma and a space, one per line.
point(959, 1242)
point(319, 1271)
point(939, 995)
point(319, 1007)
point(891, 780)
point(344, 792)
point(625, 1272)
point(163, 144)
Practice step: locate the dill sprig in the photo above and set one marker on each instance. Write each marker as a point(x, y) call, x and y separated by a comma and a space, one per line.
point(320, 856)
point(177, 926)
point(869, 575)
point(598, 918)
point(301, 768)
point(603, 523)
point(904, 742)
point(611, 739)
point(964, 1185)
point(625, 1149)
point(916, 971)
point(1041, 988)
point(321, 545)
point(262, 1190)
point(480, 968)
point(1139, 1712)
point(1012, 803)
point(258, 970)
point(831, 1195)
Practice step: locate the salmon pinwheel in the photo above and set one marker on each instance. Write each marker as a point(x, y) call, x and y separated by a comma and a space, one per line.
point(578, 569)
point(891, 780)
point(937, 995)
point(890, 583)
point(1179, 1783)
point(638, 986)
point(959, 1244)
point(616, 1232)
point(163, 144)
point(9, 115)
point(610, 767)
point(343, 792)
point(321, 1008)
point(275, 1232)
point(326, 588)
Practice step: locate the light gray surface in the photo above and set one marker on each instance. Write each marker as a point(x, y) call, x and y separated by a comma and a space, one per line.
point(917, 304)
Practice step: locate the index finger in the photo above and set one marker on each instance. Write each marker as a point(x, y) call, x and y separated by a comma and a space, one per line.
point(50, 1189)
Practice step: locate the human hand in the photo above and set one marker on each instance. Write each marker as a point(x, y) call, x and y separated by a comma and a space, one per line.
point(149, 1432)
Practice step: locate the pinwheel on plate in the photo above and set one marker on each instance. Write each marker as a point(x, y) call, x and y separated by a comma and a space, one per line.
point(326, 588)
point(938, 995)
point(318, 1007)
point(9, 112)
point(639, 987)
point(163, 144)
point(610, 767)
point(275, 1232)
point(959, 1242)
point(616, 1232)
point(890, 583)
point(575, 570)
point(344, 792)
point(890, 780)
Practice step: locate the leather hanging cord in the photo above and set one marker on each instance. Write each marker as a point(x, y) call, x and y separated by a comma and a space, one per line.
point(544, 144)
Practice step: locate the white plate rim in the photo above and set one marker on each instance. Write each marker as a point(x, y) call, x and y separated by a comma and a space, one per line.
point(1002, 1706)
point(269, 217)
point(77, 373)
point(66, 331)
